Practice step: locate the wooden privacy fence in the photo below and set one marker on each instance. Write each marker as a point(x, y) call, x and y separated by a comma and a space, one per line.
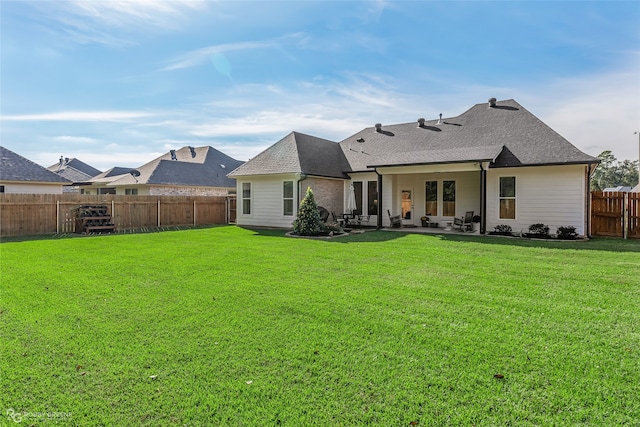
point(615, 214)
point(31, 214)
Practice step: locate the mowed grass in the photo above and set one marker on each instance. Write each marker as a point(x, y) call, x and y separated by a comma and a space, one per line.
point(228, 326)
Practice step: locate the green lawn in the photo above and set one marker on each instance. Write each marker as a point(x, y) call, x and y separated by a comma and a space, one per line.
point(227, 326)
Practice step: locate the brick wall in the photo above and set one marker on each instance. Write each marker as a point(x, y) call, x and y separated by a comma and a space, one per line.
point(328, 193)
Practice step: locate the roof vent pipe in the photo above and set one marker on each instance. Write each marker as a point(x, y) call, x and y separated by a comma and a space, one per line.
point(173, 154)
point(420, 122)
point(439, 120)
point(492, 102)
point(378, 127)
point(193, 151)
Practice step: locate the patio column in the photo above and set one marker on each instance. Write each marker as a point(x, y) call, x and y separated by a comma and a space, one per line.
point(483, 200)
point(379, 199)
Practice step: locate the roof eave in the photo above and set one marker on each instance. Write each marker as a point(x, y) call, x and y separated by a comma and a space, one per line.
point(589, 162)
point(451, 162)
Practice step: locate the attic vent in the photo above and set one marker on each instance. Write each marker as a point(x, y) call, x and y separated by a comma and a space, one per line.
point(492, 102)
point(439, 120)
point(222, 166)
point(420, 122)
point(378, 127)
point(193, 152)
point(173, 154)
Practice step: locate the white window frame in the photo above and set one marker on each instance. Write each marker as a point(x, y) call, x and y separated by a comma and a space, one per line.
point(501, 197)
point(246, 199)
point(286, 199)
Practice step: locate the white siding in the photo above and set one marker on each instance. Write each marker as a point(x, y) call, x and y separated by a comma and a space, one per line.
point(36, 188)
point(552, 195)
point(266, 201)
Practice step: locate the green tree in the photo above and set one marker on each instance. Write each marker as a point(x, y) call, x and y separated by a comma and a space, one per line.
point(612, 173)
point(308, 222)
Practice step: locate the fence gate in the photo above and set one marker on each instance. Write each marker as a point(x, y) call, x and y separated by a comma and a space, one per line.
point(231, 209)
point(615, 214)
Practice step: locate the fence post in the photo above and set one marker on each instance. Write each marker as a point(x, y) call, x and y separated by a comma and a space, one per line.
point(57, 216)
point(625, 216)
point(194, 212)
point(158, 212)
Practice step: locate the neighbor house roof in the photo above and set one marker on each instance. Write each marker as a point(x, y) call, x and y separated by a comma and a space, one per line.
point(14, 167)
point(110, 175)
point(74, 170)
point(504, 133)
point(298, 153)
point(188, 166)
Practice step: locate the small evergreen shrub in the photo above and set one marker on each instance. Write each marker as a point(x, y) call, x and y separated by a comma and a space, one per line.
point(567, 233)
point(538, 231)
point(502, 230)
point(308, 222)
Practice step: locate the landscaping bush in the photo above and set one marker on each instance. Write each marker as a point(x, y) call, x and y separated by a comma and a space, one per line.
point(308, 222)
point(567, 233)
point(539, 231)
point(502, 230)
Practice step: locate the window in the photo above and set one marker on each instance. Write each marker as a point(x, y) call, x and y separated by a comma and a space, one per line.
point(357, 187)
point(431, 197)
point(372, 195)
point(287, 197)
point(507, 197)
point(1, 188)
point(246, 198)
point(131, 191)
point(448, 198)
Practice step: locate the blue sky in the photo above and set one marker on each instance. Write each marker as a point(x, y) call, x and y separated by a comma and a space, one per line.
point(117, 83)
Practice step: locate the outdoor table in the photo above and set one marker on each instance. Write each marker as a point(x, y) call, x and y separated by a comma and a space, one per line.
point(347, 217)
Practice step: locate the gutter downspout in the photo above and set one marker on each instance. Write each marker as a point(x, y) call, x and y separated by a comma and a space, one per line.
point(302, 178)
point(483, 199)
point(591, 168)
point(379, 225)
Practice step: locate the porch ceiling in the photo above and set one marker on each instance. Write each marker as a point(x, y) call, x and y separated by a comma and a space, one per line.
point(433, 168)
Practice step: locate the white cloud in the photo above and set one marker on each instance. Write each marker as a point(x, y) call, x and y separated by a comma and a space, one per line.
point(112, 22)
point(199, 56)
point(595, 113)
point(75, 139)
point(80, 116)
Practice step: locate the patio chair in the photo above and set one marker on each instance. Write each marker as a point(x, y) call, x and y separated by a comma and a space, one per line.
point(395, 221)
point(336, 220)
point(364, 219)
point(465, 223)
point(324, 214)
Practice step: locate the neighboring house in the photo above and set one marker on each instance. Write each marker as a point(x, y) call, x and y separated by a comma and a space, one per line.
point(101, 183)
point(21, 175)
point(75, 171)
point(199, 171)
point(619, 189)
point(496, 159)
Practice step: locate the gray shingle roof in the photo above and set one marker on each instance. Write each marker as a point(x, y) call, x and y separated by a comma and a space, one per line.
point(14, 167)
point(199, 166)
point(473, 135)
point(74, 170)
point(110, 175)
point(298, 153)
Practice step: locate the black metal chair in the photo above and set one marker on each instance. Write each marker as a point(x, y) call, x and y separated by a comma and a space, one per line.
point(465, 223)
point(395, 221)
